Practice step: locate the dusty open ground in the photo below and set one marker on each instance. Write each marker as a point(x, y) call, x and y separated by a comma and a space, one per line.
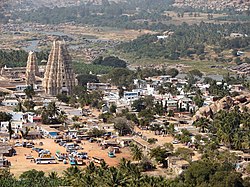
point(20, 163)
point(104, 33)
point(165, 139)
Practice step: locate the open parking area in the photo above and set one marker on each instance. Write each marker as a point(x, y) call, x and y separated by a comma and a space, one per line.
point(19, 163)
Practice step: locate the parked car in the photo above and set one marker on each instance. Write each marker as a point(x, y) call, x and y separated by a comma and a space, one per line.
point(62, 143)
point(29, 157)
point(175, 141)
point(29, 145)
point(37, 149)
point(18, 145)
point(57, 140)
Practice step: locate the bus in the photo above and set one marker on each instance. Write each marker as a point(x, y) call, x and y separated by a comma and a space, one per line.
point(97, 160)
point(50, 160)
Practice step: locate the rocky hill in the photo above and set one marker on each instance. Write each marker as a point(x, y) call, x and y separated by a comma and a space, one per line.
point(226, 103)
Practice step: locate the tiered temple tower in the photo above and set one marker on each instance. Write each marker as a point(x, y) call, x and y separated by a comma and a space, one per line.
point(59, 76)
point(31, 69)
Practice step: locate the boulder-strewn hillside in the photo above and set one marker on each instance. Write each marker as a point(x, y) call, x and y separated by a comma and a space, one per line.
point(226, 103)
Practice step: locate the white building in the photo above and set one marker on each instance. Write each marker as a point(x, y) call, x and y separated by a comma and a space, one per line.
point(15, 126)
point(10, 100)
point(131, 96)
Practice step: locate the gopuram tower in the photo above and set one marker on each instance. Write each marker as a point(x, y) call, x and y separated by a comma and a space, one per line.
point(31, 69)
point(59, 76)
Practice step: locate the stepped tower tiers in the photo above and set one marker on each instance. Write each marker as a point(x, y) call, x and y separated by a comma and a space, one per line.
point(31, 69)
point(59, 76)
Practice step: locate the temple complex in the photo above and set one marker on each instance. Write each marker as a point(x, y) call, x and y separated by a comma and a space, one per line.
point(31, 69)
point(59, 76)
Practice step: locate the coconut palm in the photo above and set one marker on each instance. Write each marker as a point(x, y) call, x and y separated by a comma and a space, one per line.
point(62, 117)
point(203, 124)
point(237, 140)
point(91, 168)
point(53, 175)
point(136, 153)
point(88, 180)
point(53, 109)
point(20, 107)
point(114, 177)
point(72, 175)
point(25, 132)
point(29, 92)
point(71, 171)
point(160, 155)
point(76, 126)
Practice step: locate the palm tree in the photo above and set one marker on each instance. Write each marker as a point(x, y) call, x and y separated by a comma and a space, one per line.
point(62, 117)
point(88, 180)
point(160, 155)
point(161, 90)
point(25, 133)
point(29, 91)
point(53, 175)
point(72, 175)
point(19, 107)
point(10, 130)
point(237, 140)
point(53, 109)
point(91, 168)
point(136, 153)
point(203, 124)
point(115, 178)
point(76, 126)
point(171, 89)
point(104, 165)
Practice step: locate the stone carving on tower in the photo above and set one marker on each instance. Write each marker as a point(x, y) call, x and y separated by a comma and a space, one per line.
point(59, 76)
point(31, 69)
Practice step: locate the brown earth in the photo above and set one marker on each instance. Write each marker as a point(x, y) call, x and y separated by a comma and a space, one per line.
point(19, 163)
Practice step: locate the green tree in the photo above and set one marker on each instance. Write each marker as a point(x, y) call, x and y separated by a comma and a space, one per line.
point(160, 155)
point(122, 126)
point(29, 92)
point(83, 79)
point(172, 72)
point(137, 153)
point(113, 108)
point(5, 116)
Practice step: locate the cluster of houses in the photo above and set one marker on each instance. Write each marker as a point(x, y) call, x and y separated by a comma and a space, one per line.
point(218, 5)
point(111, 96)
point(150, 86)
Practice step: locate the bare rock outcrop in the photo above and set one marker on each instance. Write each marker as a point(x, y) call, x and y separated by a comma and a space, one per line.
point(226, 103)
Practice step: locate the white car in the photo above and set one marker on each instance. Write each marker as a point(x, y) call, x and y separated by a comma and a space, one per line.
point(175, 142)
point(18, 145)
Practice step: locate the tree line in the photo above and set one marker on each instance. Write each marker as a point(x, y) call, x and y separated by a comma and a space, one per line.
point(201, 173)
point(189, 40)
point(18, 58)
